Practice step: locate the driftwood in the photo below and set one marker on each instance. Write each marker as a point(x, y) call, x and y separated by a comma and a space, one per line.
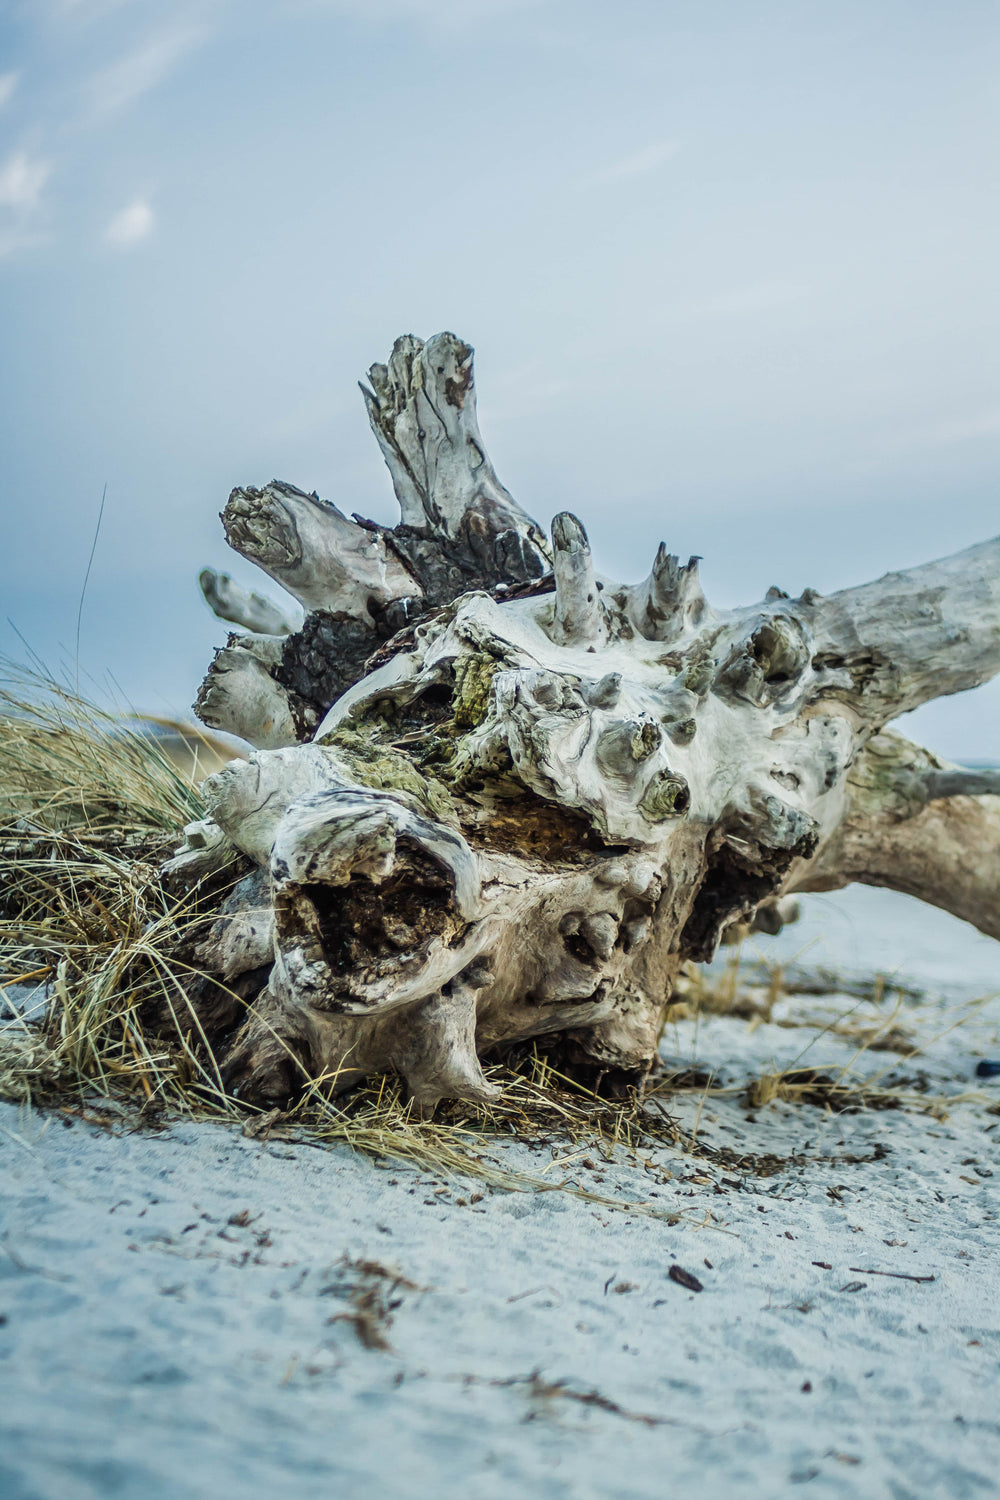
point(496, 797)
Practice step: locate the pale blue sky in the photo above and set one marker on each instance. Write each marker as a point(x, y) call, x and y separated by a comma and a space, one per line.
point(730, 271)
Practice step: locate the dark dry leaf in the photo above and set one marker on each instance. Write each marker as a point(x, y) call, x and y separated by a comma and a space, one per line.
point(685, 1279)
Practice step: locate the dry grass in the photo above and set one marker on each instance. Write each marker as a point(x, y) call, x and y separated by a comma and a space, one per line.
point(89, 804)
point(67, 764)
point(878, 1021)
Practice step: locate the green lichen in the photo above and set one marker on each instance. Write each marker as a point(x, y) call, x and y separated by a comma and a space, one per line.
point(474, 676)
point(378, 765)
point(645, 739)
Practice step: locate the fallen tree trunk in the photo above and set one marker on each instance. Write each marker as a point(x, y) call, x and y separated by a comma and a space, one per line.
point(497, 798)
point(914, 824)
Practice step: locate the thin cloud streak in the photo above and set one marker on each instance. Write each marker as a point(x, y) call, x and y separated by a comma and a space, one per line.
point(8, 83)
point(637, 164)
point(968, 429)
point(986, 424)
point(119, 86)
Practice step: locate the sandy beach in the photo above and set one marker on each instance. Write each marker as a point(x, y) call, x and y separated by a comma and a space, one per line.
point(194, 1312)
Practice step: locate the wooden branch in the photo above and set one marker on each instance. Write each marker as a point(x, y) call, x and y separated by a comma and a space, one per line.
point(958, 782)
point(422, 409)
point(239, 606)
point(913, 636)
point(312, 549)
point(579, 613)
point(945, 851)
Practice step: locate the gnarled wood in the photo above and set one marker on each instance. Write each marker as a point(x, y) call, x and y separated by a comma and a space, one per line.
point(241, 696)
point(579, 617)
point(540, 796)
point(909, 637)
point(665, 604)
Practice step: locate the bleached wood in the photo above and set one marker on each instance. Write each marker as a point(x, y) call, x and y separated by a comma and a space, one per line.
point(899, 832)
point(538, 801)
point(579, 616)
point(912, 636)
point(669, 600)
point(204, 851)
point(422, 409)
point(254, 612)
point(312, 549)
point(240, 694)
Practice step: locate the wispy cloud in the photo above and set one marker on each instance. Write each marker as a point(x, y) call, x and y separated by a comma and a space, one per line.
point(973, 427)
point(435, 14)
point(8, 83)
point(980, 424)
point(637, 164)
point(22, 179)
point(118, 86)
point(130, 226)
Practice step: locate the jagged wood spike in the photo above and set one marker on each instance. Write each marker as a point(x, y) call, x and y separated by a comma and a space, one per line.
point(670, 600)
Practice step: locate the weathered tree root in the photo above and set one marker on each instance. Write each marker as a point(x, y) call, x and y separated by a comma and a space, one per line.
point(497, 798)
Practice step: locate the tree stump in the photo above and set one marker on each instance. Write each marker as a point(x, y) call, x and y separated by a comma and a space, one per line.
point(496, 797)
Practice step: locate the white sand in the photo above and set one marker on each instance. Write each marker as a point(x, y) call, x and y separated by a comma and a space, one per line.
point(151, 1348)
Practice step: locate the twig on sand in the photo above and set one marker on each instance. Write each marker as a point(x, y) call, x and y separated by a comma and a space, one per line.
point(899, 1275)
point(540, 1389)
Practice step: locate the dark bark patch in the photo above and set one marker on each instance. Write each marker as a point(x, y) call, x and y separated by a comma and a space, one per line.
point(321, 661)
point(535, 829)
